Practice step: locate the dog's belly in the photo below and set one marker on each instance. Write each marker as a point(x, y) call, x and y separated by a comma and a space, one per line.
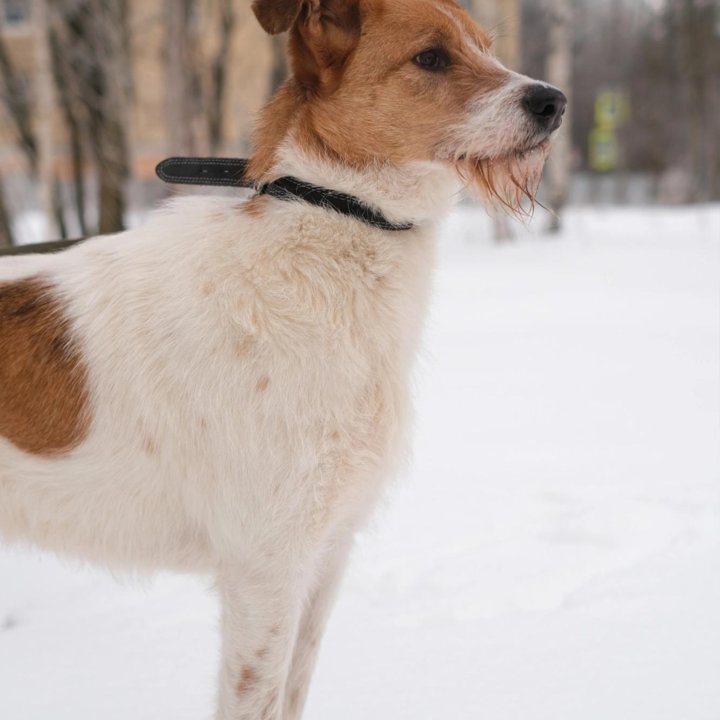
point(111, 512)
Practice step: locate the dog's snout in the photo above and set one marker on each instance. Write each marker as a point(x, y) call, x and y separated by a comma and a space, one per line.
point(546, 105)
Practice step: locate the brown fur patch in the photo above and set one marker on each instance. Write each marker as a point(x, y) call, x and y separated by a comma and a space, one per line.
point(150, 446)
point(248, 678)
point(255, 207)
point(43, 382)
point(244, 345)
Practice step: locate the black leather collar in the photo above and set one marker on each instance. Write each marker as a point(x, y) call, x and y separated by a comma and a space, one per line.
point(231, 172)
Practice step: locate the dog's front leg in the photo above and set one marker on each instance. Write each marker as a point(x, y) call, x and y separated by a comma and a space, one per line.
point(312, 627)
point(260, 616)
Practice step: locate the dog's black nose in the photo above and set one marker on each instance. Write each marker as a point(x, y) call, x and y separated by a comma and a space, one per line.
point(546, 105)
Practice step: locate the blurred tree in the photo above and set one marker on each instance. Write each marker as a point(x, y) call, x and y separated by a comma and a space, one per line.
point(18, 101)
point(17, 106)
point(73, 124)
point(699, 24)
point(6, 234)
point(218, 75)
point(93, 37)
point(197, 72)
point(181, 68)
point(559, 74)
point(50, 189)
point(202, 67)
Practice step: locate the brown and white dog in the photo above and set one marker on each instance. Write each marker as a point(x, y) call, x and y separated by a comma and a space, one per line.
point(224, 390)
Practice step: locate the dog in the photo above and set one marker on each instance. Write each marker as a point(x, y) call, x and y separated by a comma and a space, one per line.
point(225, 389)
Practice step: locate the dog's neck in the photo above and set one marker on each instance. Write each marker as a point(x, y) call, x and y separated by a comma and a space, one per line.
point(287, 144)
point(415, 192)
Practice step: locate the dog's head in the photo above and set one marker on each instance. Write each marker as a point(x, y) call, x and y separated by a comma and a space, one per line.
point(414, 80)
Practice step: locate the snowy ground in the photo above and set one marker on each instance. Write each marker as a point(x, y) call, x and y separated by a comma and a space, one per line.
point(553, 553)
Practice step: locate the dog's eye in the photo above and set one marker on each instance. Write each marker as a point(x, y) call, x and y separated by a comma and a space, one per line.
point(434, 59)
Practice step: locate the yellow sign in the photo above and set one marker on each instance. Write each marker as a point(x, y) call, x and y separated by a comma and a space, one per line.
point(604, 149)
point(612, 109)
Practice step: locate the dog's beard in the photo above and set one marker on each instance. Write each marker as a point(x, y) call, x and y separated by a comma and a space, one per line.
point(509, 183)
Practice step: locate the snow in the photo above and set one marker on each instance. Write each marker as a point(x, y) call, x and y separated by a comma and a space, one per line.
point(552, 552)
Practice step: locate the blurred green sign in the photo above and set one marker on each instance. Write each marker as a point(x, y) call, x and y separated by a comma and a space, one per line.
point(604, 149)
point(612, 109)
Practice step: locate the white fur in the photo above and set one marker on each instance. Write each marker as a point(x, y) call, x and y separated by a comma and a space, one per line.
point(248, 379)
point(494, 124)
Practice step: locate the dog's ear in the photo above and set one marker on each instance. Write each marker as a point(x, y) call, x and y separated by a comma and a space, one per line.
point(276, 16)
point(324, 35)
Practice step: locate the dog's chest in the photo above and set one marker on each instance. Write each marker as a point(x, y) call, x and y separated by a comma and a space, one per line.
point(271, 371)
point(327, 350)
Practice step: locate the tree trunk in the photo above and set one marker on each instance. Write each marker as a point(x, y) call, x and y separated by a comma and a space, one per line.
point(6, 234)
point(45, 106)
point(112, 205)
point(72, 122)
point(57, 208)
point(18, 105)
point(180, 76)
point(697, 41)
point(112, 154)
point(93, 40)
point(559, 74)
point(218, 77)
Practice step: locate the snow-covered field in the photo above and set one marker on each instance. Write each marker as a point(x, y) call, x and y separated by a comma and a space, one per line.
point(553, 552)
